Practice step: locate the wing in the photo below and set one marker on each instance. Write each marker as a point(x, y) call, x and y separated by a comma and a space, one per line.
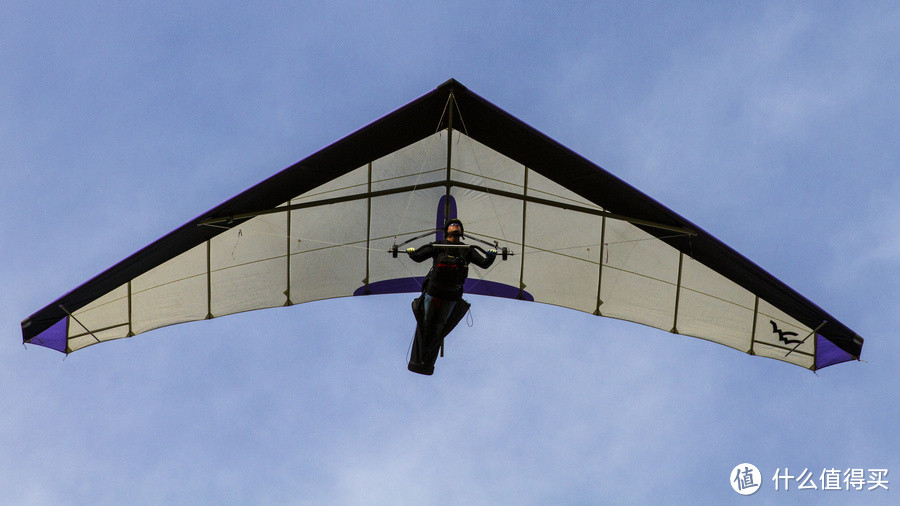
point(581, 239)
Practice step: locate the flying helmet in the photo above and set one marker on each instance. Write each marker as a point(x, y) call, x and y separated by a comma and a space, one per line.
point(462, 230)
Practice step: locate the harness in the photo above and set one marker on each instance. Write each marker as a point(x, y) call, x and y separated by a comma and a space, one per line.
point(449, 272)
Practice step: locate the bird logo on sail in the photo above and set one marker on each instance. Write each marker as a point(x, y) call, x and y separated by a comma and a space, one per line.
point(783, 335)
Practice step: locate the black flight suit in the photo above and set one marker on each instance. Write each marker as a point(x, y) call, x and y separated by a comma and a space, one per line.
point(441, 306)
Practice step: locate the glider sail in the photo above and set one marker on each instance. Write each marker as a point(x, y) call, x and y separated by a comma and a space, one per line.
point(573, 235)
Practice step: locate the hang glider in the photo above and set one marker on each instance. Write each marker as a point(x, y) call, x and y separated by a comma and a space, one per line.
point(576, 236)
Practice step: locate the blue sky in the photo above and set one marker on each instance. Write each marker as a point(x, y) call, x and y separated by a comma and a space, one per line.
point(771, 125)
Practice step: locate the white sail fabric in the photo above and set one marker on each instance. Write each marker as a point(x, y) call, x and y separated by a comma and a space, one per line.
point(568, 258)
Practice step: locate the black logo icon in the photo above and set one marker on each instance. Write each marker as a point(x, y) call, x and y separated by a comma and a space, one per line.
point(782, 335)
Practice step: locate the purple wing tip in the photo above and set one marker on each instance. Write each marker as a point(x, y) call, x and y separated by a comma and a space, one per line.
point(828, 353)
point(54, 337)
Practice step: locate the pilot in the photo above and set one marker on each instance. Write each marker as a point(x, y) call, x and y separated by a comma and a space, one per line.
point(441, 306)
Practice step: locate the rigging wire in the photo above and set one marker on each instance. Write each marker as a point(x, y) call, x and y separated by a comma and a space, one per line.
point(422, 167)
point(481, 173)
point(245, 234)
